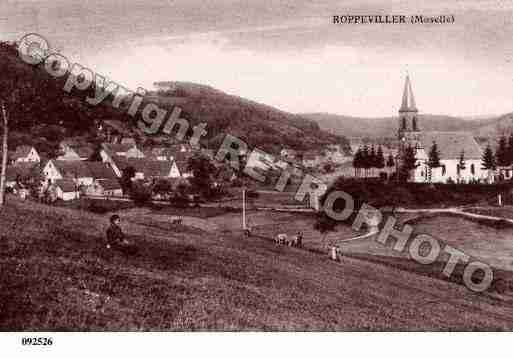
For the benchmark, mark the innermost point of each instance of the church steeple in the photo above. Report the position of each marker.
(408, 121)
(408, 103)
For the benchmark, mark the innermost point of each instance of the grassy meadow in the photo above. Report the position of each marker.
(56, 275)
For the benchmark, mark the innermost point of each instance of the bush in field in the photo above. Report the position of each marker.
(163, 188)
(379, 193)
(237, 182)
(180, 198)
(126, 179)
(202, 175)
(140, 193)
(105, 206)
(252, 194)
(98, 208)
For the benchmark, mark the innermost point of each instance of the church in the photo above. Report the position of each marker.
(450, 145)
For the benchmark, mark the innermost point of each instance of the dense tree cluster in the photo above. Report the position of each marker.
(408, 163)
(488, 161)
(368, 159)
(202, 180)
(504, 151)
(434, 156)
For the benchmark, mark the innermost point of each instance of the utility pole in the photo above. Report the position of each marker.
(4, 156)
(244, 208)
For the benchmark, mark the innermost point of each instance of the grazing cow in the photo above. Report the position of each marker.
(281, 238)
(295, 241)
(290, 241)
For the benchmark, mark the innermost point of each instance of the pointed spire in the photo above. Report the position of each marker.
(408, 103)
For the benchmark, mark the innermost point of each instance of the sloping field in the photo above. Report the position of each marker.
(491, 245)
(267, 224)
(56, 275)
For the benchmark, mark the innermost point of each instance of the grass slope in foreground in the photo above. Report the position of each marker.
(56, 275)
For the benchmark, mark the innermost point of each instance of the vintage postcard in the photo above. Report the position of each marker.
(255, 166)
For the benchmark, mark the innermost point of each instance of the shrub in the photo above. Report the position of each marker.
(140, 193)
(252, 194)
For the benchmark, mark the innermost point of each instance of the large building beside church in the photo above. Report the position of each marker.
(450, 146)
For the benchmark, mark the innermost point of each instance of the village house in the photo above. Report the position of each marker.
(115, 155)
(25, 154)
(128, 141)
(134, 152)
(65, 189)
(118, 149)
(355, 143)
(19, 173)
(105, 187)
(260, 159)
(83, 173)
(451, 145)
(101, 171)
(151, 169)
(110, 188)
(288, 154)
(312, 159)
(292, 166)
(159, 154)
(77, 171)
(75, 153)
(336, 154)
(113, 131)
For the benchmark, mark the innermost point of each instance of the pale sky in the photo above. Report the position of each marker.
(288, 54)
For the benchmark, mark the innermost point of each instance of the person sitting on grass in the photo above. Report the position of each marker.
(115, 236)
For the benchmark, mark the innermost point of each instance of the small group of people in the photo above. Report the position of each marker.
(292, 241)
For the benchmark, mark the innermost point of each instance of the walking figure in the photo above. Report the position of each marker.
(299, 239)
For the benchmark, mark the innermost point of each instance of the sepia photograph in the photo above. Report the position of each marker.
(255, 166)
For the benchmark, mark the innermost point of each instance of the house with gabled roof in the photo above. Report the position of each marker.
(75, 153)
(101, 170)
(25, 154)
(105, 187)
(159, 153)
(83, 173)
(65, 189)
(150, 169)
(312, 158)
(128, 141)
(77, 171)
(119, 149)
(114, 130)
(181, 168)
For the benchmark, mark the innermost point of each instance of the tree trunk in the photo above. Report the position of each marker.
(4, 157)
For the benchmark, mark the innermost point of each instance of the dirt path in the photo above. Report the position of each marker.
(457, 211)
